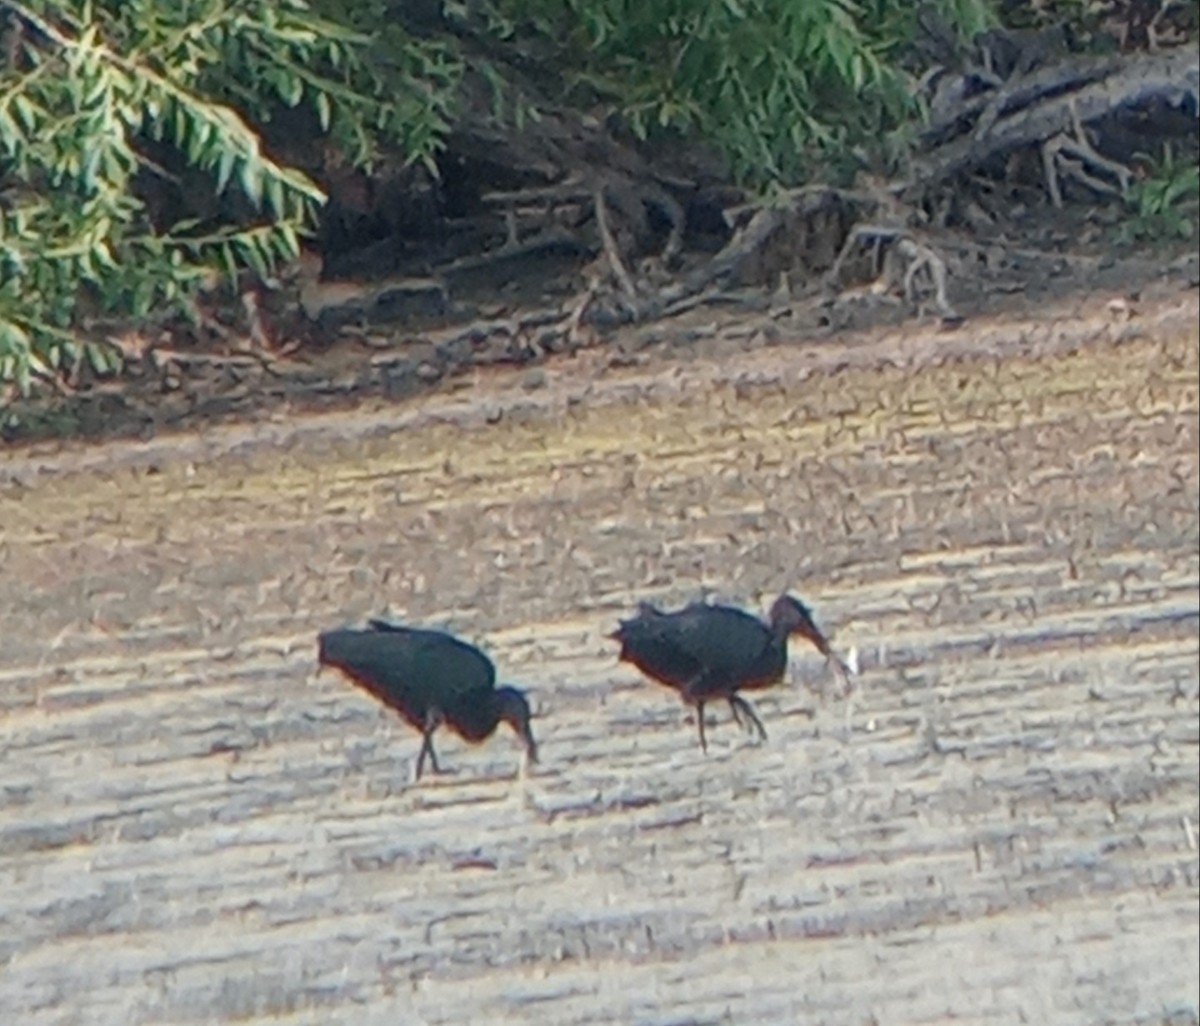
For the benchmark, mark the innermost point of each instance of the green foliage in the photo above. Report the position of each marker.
(91, 88)
(108, 107)
(780, 85)
(1165, 202)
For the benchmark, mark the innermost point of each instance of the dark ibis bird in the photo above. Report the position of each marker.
(429, 678)
(708, 652)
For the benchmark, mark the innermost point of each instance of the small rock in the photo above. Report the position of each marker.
(1120, 309)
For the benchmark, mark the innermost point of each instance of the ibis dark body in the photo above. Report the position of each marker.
(708, 652)
(429, 678)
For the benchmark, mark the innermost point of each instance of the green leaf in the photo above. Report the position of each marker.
(250, 175)
(225, 166)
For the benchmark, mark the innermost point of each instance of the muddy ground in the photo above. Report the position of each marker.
(1039, 264)
(1001, 525)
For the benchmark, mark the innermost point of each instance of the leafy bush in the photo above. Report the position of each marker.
(90, 89)
(108, 105)
(781, 86)
(1164, 202)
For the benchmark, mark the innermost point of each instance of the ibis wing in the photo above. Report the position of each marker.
(379, 666)
(698, 649)
(656, 647)
(409, 669)
(438, 657)
(394, 628)
(722, 640)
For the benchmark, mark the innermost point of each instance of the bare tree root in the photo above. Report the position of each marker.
(902, 260)
(1071, 155)
(611, 253)
(1056, 101)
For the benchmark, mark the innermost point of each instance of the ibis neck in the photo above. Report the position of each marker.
(779, 634)
(779, 643)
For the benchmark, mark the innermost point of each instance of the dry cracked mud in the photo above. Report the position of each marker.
(1000, 827)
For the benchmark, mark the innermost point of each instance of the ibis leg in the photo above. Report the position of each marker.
(740, 707)
(432, 721)
(700, 721)
(737, 716)
(737, 702)
(427, 749)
